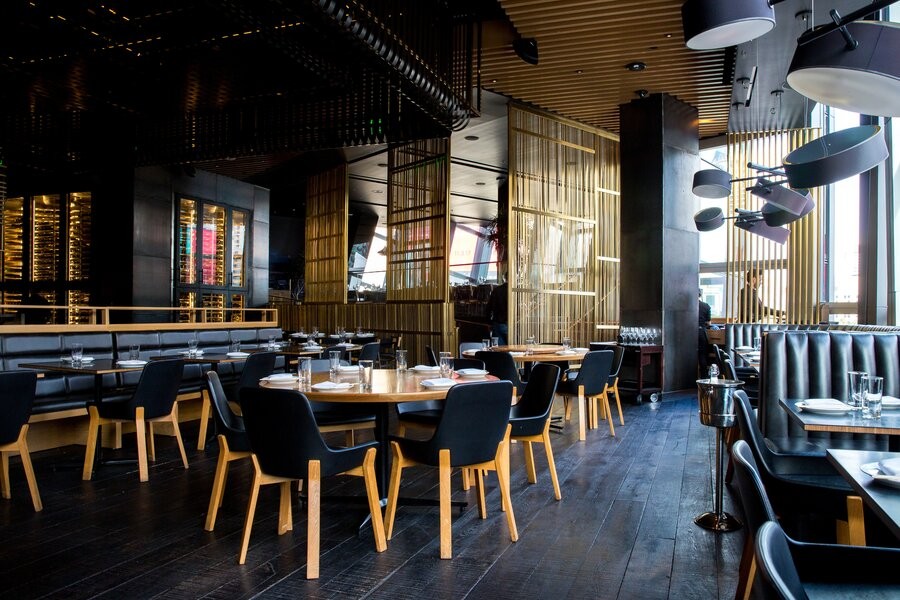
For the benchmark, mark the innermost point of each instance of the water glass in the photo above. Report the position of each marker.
(134, 352)
(192, 347)
(304, 372)
(713, 371)
(234, 347)
(334, 363)
(857, 386)
(567, 343)
(77, 353)
(757, 344)
(446, 363)
(872, 405)
(365, 374)
(401, 360)
(529, 345)
(495, 341)
(272, 342)
(486, 344)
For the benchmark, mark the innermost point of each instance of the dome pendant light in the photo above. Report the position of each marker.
(711, 24)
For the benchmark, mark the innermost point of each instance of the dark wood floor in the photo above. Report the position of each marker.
(624, 528)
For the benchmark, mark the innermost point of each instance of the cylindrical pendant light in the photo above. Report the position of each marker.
(709, 219)
(864, 80)
(712, 183)
(836, 156)
(710, 24)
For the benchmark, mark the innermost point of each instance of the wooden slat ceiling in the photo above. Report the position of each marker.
(583, 47)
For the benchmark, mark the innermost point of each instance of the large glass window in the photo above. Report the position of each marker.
(473, 258)
(713, 244)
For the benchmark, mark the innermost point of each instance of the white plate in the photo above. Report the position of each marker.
(566, 352)
(313, 348)
(581, 350)
(237, 354)
(441, 383)
(131, 363)
(824, 406)
(292, 382)
(365, 335)
(425, 369)
(330, 386)
(188, 352)
(346, 344)
(84, 359)
(744, 348)
(348, 368)
(470, 352)
(889, 403)
(472, 373)
(277, 376)
(517, 354)
(871, 469)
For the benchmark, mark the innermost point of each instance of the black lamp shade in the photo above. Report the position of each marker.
(778, 235)
(776, 217)
(780, 197)
(709, 219)
(712, 183)
(865, 80)
(710, 24)
(836, 156)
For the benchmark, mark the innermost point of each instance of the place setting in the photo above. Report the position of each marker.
(824, 406)
(885, 472)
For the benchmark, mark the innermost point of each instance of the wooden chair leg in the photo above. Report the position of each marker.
(91, 446)
(529, 462)
(444, 485)
(393, 490)
(582, 426)
(856, 525)
(177, 430)
(746, 571)
(503, 479)
(151, 443)
(368, 469)
(615, 392)
(5, 491)
(605, 400)
(313, 484)
(205, 409)
(466, 483)
(251, 510)
(141, 428)
(551, 464)
(29, 470)
(218, 488)
(479, 490)
(567, 408)
(285, 515)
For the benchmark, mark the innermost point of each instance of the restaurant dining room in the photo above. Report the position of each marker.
(460, 299)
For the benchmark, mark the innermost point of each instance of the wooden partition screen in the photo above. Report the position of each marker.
(564, 229)
(326, 236)
(418, 225)
(788, 275)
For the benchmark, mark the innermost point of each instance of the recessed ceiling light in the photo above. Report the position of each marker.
(642, 93)
(382, 164)
(479, 183)
(668, 35)
(493, 81)
(377, 191)
(636, 66)
(579, 72)
(472, 138)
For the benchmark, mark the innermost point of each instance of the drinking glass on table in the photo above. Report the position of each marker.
(401, 360)
(486, 344)
(529, 345)
(757, 344)
(857, 387)
(566, 343)
(872, 404)
(192, 347)
(334, 364)
(365, 374)
(495, 341)
(235, 347)
(446, 363)
(304, 372)
(77, 350)
(134, 352)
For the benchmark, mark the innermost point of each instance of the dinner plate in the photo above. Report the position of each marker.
(84, 359)
(131, 363)
(824, 406)
(348, 368)
(581, 350)
(890, 403)
(279, 376)
(331, 386)
(237, 354)
(440, 383)
(313, 348)
(289, 382)
(872, 470)
(425, 369)
(566, 352)
(472, 373)
(188, 353)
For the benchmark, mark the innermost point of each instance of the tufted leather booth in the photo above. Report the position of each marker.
(814, 364)
(743, 334)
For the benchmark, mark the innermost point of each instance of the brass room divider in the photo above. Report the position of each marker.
(326, 236)
(788, 275)
(564, 229)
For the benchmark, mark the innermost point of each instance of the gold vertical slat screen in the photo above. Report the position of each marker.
(563, 265)
(326, 236)
(418, 221)
(788, 275)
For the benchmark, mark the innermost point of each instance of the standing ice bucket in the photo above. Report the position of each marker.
(717, 401)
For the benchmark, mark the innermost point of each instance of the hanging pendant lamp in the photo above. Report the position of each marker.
(862, 77)
(710, 24)
(712, 183)
(836, 156)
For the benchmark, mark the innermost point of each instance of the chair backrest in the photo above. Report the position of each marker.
(463, 346)
(776, 565)
(757, 508)
(283, 432)
(536, 401)
(370, 351)
(594, 371)
(227, 423)
(729, 371)
(618, 355)
(343, 350)
(501, 365)
(158, 386)
(16, 399)
(431, 357)
(751, 432)
(473, 423)
(257, 366)
(467, 363)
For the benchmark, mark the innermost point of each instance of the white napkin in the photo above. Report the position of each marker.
(824, 403)
(131, 363)
(348, 368)
(889, 401)
(330, 385)
(280, 377)
(84, 359)
(581, 350)
(517, 353)
(365, 335)
(426, 368)
(890, 466)
(345, 344)
(472, 372)
(440, 382)
(188, 352)
(237, 354)
(312, 347)
(565, 352)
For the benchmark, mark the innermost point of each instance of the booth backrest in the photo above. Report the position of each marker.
(814, 364)
(743, 334)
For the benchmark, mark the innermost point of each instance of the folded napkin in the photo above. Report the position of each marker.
(312, 347)
(889, 402)
(472, 372)
(198, 352)
(565, 352)
(440, 382)
(345, 344)
(280, 377)
(581, 350)
(84, 359)
(348, 368)
(131, 363)
(890, 466)
(517, 353)
(237, 354)
(330, 385)
(426, 368)
(824, 403)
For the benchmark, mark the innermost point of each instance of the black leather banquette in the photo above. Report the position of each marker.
(814, 364)
(56, 392)
(743, 334)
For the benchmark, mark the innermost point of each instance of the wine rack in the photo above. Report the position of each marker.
(213, 248)
(13, 246)
(238, 245)
(186, 300)
(217, 303)
(187, 241)
(46, 242)
(237, 301)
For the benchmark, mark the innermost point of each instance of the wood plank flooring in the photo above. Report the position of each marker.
(624, 528)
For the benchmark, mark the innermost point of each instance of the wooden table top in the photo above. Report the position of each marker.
(520, 356)
(852, 422)
(882, 499)
(388, 386)
(100, 366)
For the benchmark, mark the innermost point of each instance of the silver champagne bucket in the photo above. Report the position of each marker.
(717, 401)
